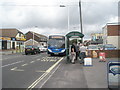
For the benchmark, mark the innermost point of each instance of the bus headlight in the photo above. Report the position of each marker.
(63, 50)
(49, 50)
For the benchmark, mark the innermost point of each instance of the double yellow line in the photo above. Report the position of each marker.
(43, 75)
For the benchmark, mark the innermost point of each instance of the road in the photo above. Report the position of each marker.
(43, 71)
(26, 71)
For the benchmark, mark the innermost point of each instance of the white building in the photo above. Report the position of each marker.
(111, 34)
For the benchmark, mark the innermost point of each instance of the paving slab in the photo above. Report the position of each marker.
(79, 76)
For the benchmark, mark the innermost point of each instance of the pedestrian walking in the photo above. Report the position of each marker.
(73, 53)
(83, 50)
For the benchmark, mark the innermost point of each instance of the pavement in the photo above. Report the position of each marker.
(42, 71)
(9, 52)
(79, 76)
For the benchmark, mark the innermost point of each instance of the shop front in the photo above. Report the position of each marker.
(5, 43)
(20, 44)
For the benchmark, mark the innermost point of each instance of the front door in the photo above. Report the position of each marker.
(4, 45)
(13, 45)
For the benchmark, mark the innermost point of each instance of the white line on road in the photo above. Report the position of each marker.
(11, 64)
(49, 76)
(32, 61)
(24, 64)
(43, 75)
(40, 71)
(15, 69)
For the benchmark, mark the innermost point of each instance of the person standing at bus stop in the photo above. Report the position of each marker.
(83, 50)
(73, 53)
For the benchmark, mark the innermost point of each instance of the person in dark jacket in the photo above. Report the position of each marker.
(77, 51)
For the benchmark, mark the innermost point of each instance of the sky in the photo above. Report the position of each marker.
(48, 18)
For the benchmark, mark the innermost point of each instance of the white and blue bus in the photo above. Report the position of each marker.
(56, 45)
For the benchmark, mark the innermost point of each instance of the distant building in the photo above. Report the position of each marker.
(111, 33)
(38, 39)
(11, 39)
(96, 38)
(31, 41)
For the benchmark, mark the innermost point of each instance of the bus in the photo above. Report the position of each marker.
(56, 45)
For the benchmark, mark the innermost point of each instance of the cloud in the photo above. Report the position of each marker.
(52, 19)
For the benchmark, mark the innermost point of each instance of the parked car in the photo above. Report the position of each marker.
(109, 47)
(43, 48)
(31, 49)
(92, 47)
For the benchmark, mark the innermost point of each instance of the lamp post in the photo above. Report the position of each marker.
(34, 35)
(80, 18)
(68, 14)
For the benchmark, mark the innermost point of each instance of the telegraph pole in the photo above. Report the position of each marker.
(80, 18)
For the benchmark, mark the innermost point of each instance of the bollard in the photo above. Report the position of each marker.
(94, 53)
(102, 56)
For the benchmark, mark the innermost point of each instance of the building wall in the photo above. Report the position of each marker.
(113, 30)
(30, 42)
(9, 44)
(111, 35)
(114, 40)
(29, 36)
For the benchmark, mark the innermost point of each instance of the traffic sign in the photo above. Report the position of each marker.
(113, 74)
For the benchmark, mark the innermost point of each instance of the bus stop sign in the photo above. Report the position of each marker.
(114, 75)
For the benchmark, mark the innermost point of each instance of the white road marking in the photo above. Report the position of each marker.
(32, 61)
(18, 70)
(15, 69)
(52, 60)
(50, 76)
(43, 75)
(24, 65)
(12, 63)
(40, 71)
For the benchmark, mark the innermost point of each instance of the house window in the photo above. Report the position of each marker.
(19, 34)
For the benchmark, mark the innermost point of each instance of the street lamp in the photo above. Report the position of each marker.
(80, 18)
(34, 35)
(68, 14)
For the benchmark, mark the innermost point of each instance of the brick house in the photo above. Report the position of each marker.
(35, 39)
